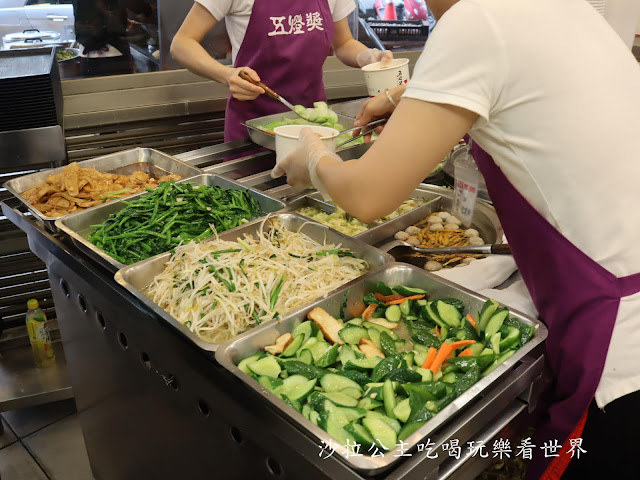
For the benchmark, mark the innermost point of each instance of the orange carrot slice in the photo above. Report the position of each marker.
(431, 354)
(472, 320)
(466, 353)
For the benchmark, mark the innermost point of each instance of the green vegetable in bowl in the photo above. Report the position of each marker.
(65, 54)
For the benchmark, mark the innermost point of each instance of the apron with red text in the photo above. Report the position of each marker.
(286, 43)
(576, 297)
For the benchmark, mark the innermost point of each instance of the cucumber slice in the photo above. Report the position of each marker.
(448, 313)
(333, 423)
(381, 329)
(495, 342)
(400, 345)
(346, 354)
(405, 307)
(409, 429)
(444, 332)
(488, 309)
(498, 362)
(368, 403)
(329, 357)
(352, 414)
(392, 422)
(271, 384)
(427, 375)
(450, 377)
(352, 392)
(352, 334)
(374, 336)
(409, 358)
(408, 291)
(309, 342)
(267, 366)
(293, 347)
(430, 308)
(495, 323)
(476, 348)
(292, 403)
(383, 289)
(318, 349)
(355, 321)
(334, 383)
(386, 345)
(306, 411)
(243, 363)
(362, 364)
(389, 398)
(485, 360)
(511, 339)
(385, 437)
(420, 356)
(393, 313)
(306, 356)
(402, 410)
(299, 390)
(361, 434)
(305, 328)
(341, 399)
(313, 416)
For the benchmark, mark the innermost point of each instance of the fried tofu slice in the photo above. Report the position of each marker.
(368, 312)
(282, 342)
(369, 348)
(383, 323)
(327, 324)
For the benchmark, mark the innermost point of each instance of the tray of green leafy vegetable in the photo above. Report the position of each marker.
(385, 363)
(261, 129)
(123, 232)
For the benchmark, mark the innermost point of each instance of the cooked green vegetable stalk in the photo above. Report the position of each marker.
(361, 383)
(171, 214)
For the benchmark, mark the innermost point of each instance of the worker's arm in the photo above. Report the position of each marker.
(417, 137)
(187, 50)
(350, 51)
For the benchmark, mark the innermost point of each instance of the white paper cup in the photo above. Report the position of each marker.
(287, 138)
(380, 79)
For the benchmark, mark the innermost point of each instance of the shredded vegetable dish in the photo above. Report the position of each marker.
(219, 289)
(352, 226)
(174, 213)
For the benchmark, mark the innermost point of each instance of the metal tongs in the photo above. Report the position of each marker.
(271, 93)
(487, 249)
(375, 124)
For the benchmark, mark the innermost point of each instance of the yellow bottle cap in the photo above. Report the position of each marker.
(32, 304)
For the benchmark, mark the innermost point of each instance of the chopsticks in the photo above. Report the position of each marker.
(375, 124)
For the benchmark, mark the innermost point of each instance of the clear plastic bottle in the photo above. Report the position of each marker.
(467, 178)
(41, 346)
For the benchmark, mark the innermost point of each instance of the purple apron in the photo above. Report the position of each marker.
(577, 299)
(286, 42)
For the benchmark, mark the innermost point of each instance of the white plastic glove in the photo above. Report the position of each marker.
(300, 165)
(372, 55)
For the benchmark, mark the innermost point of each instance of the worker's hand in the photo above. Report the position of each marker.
(372, 55)
(241, 89)
(377, 107)
(300, 165)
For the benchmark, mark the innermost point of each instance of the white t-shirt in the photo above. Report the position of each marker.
(238, 12)
(540, 74)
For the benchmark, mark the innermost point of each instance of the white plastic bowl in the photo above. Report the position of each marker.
(379, 79)
(287, 138)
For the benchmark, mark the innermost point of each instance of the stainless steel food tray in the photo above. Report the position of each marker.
(231, 352)
(126, 162)
(137, 277)
(485, 219)
(377, 231)
(78, 225)
(267, 140)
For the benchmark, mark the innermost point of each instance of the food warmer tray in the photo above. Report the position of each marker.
(127, 162)
(253, 341)
(138, 276)
(267, 140)
(78, 225)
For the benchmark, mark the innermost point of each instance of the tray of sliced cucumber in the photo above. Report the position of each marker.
(383, 363)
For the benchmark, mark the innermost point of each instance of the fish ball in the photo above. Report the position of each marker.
(401, 236)
(415, 241)
(476, 241)
(468, 260)
(412, 230)
(453, 219)
(443, 215)
(451, 226)
(436, 226)
(461, 265)
(432, 266)
(434, 219)
(472, 232)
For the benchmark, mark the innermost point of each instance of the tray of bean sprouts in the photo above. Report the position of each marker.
(212, 291)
